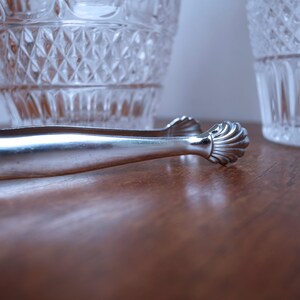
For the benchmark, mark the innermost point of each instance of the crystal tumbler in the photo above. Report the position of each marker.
(84, 62)
(275, 37)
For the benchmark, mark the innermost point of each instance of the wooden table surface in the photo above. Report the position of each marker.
(174, 228)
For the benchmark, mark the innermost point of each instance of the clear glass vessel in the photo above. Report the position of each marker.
(275, 37)
(84, 62)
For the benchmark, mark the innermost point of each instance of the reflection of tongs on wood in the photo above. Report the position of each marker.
(57, 150)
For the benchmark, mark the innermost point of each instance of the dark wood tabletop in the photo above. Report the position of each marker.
(172, 228)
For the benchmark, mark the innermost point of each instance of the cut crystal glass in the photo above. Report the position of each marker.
(275, 37)
(87, 62)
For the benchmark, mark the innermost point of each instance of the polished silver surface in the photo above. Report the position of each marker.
(56, 150)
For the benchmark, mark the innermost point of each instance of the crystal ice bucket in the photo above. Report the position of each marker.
(84, 62)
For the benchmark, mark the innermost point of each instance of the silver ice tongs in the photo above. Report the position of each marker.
(57, 150)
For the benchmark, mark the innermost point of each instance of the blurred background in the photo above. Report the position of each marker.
(211, 74)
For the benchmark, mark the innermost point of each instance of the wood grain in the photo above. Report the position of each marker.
(174, 228)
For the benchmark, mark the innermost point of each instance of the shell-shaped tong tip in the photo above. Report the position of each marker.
(229, 141)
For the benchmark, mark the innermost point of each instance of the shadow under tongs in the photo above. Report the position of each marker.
(186, 170)
(104, 181)
(27, 187)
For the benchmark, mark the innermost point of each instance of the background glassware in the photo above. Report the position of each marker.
(275, 37)
(84, 62)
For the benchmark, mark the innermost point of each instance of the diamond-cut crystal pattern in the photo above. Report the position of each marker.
(63, 55)
(78, 51)
(274, 27)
